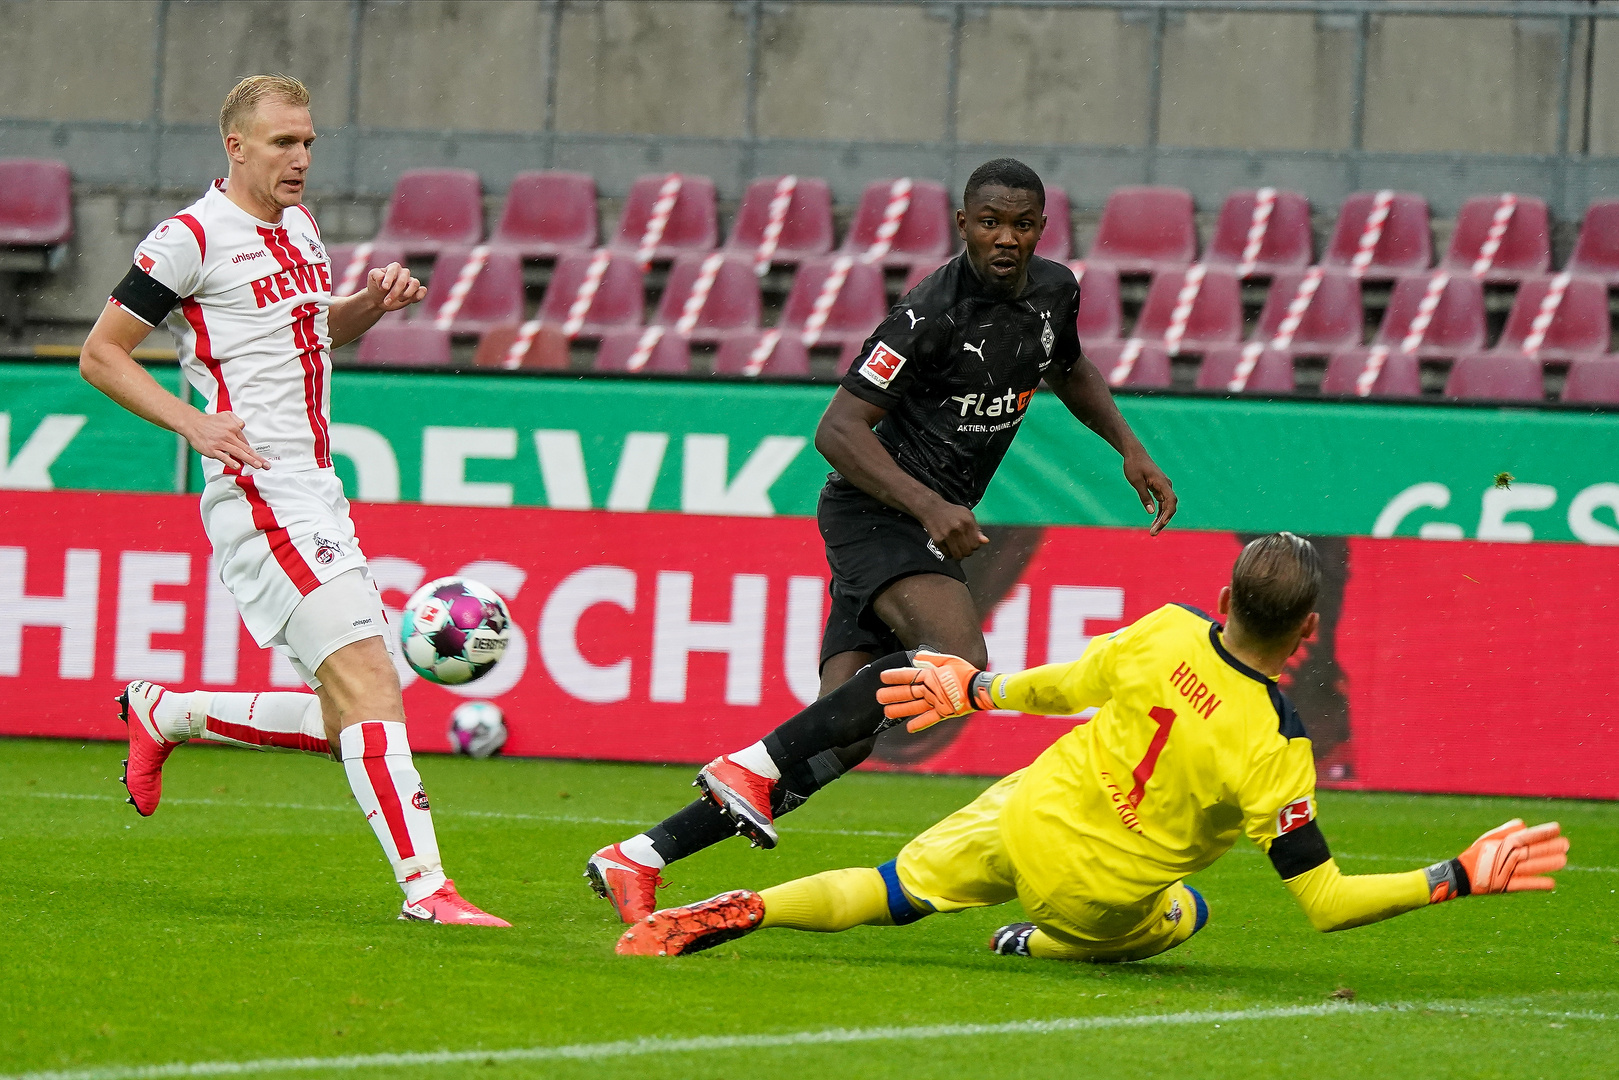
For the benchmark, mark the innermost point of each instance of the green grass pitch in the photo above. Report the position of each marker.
(252, 920)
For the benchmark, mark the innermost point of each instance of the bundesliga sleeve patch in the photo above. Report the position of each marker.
(1295, 815)
(882, 365)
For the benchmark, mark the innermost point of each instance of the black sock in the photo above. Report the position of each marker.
(848, 715)
(801, 781)
(690, 830)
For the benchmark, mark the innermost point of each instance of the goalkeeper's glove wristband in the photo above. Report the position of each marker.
(1447, 880)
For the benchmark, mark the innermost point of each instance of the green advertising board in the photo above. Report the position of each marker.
(1319, 467)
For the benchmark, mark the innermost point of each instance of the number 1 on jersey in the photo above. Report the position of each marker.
(1165, 719)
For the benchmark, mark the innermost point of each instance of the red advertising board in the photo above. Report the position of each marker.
(1461, 667)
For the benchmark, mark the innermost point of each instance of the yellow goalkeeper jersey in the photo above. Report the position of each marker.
(1189, 747)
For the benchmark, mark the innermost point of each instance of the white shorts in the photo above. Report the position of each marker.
(344, 610)
(277, 537)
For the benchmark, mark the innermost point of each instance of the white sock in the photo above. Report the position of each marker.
(757, 759)
(639, 847)
(376, 756)
(273, 721)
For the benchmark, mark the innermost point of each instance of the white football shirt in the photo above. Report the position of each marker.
(251, 324)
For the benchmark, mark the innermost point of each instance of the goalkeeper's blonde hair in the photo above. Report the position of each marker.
(246, 96)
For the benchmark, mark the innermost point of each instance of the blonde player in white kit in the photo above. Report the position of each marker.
(243, 281)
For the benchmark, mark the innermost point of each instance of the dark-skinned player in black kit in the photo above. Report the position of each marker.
(915, 431)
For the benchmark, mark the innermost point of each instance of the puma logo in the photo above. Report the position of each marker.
(979, 348)
(914, 317)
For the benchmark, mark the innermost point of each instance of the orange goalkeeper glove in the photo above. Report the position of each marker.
(937, 687)
(1508, 858)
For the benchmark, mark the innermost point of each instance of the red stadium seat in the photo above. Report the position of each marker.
(1101, 317)
(1456, 326)
(619, 299)
(546, 350)
(1144, 230)
(746, 354)
(548, 213)
(496, 294)
(36, 203)
(806, 230)
(1399, 376)
(1596, 251)
(654, 350)
(1334, 318)
(407, 344)
(1404, 243)
(926, 230)
(432, 209)
(1579, 319)
(857, 308)
(1493, 377)
(1284, 238)
(692, 222)
(1593, 379)
(349, 276)
(1132, 364)
(920, 272)
(1057, 242)
(1215, 317)
(1522, 250)
(731, 301)
(1271, 372)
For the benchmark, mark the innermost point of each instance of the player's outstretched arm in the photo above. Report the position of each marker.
(1086, 394)
(1511, 858)
(386, 289)
(107, 363)
(938, 687)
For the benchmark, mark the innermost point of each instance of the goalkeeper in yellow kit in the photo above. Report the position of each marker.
(1192, 744)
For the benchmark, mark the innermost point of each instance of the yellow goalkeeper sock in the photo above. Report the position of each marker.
(829, 902)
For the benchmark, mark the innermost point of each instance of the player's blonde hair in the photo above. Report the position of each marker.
(245, 97)
(1275, 584)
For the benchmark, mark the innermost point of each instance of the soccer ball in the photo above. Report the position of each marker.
(454, 630)
(477, 729)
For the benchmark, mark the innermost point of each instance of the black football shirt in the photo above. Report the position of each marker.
(956, 368)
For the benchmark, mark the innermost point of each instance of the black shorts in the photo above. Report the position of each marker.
(869, 546)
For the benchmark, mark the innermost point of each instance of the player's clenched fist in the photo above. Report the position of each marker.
(1508, 858)
(939, 686)
(393, 288)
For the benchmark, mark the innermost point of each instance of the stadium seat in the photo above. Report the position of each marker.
(1593, 379)
(1333, 320)
(666, 352)
(404, 344)
(1272, 372)
(786, 359)
(1400, 375)
(1057, 242)
(858, 307)
(1493, 377)
(1216, 313)
(496, 294)
(619, 299)
(1404, 244)
(1596, 251)
(1579, 319)
(1101, 317)
(1285, 243)
(1523, 250)
(1149, 369)
(547, 348)
(691, 223)
(806, 230)
(919, 272)
(731, 301)
(1144, 230)
(546, 214)
(1457, 324)
(925, 231)
(432, 209)
(36, 203)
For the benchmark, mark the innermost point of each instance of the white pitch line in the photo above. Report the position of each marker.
(572, 819)
(834, 1036)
